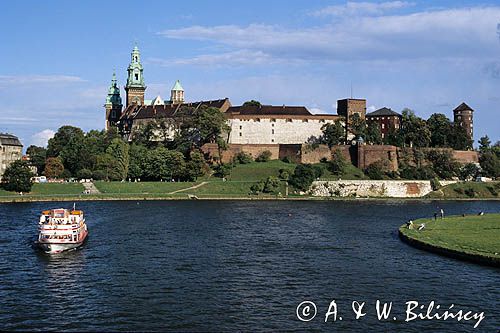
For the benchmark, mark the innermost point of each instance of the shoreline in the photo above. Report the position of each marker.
(449, 252)
(148, 197)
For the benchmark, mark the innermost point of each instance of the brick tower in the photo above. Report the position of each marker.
(462, 115)
(135, 81)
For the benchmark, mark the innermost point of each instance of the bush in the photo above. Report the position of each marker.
(435, 184)
(378, 169)
(99, 175)
(223, 170)
(243, 158)
(338, 163)
(469, 171)
(84, 174)
(423, 173)
(257, 187)
(66, 174)
(17, 177)
(302, 177)
(319, 170)
(286, 159)
(271, 185)
(284, 174)
(265, 156)
(470, 192)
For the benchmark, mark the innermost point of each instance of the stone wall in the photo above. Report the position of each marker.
(368, 154)
(371, 188)
(462, 156)
(466, 156)
(255, 150)
(9, 154)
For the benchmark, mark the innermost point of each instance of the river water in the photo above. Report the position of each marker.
(236, 265)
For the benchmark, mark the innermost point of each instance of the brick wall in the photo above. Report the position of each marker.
(255, 150)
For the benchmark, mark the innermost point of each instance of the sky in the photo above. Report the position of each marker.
(57, 57)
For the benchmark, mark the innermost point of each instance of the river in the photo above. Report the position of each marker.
(237, 265)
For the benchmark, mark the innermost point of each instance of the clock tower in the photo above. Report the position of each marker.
(135, 81)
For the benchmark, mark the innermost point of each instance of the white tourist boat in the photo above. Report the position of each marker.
(61, 229)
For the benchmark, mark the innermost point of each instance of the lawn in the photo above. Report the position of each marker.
(465, 190)
(48, 189)
(140, 187)
(472, 234)
(256, 171)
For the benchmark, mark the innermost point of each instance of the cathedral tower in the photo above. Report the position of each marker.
(113, 104)
(135, 81)
(177, 93)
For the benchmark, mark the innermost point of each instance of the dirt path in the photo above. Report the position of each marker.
(90, 187)
(189, 188)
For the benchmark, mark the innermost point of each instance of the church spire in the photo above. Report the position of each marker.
(113, 103)
(135, 81)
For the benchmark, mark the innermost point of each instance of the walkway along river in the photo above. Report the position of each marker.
(236, 265)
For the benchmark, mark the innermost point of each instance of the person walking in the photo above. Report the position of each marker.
(442, 213)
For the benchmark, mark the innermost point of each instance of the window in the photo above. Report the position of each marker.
(272, 140)
(459, 117)
(305, 120)
(322, 120)
(272, 131)
(136, 76)
(383, 126)
(272, 125)
(273, 120)
(241, 127)
(240, 134)
(257, 120)
(113, 114)
(383, 135)
(288, 120)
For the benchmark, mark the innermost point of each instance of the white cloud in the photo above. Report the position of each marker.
(361, 8)
(371, 108)
(38, 79)
(239, 57)
(41, 138)
(465, 33)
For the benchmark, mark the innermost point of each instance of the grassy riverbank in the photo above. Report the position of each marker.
(474, 237)
(468, 190)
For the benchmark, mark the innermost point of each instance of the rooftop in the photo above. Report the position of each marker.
(9, 140)
(383, 112)
(463, 107)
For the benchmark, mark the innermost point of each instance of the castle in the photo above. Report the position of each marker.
(250, 124)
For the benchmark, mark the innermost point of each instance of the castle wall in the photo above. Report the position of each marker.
(296, 130)
(9, 154)
(254, 150)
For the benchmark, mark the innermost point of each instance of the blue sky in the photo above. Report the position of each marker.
(58, 56)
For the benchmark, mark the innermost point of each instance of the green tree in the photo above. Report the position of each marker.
(53, 167)
(119, 151)
(164, 164)
(109, 167)
(196, 166)
(440, 128)
(378, 169)
(252, 103)
(490, 164)
(37, 156)
(484, 144)
(443, 164)
(84, 174)
(459, 139)
(271, 185)
(63, 136)
(414, 130)
(469, 171)
(257, 187)
(357, 126)
(373, 134)
(138, 155)
(302, 177)
(333, 134)
(17, 177)
(338, 163)
(243, 158)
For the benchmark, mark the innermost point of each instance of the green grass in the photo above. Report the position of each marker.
(464, 190)
(256, 171)
(141, 187)
(350, 173)
(48, 189)
(470, 234)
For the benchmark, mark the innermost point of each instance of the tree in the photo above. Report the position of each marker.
(271, 185)
(469, 171)
(484, 144)
(264, 156)
(252, 103)
(17, 177)
(257, 187)
(37, 156)
(84, 174)
(373, 134)
(63, 136)
(302, 177)
(109, 167)
(459, 139)
(243, 158)
(209, 124)
(164, 164)
(378, 169)
(138, 155)
(333, 134)
(357, 126)
(119, 151)
(53, 167)
(443, 164)
(490, 164)
(338, 163)
(414, 130)
(440, 128)
(196, 166)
